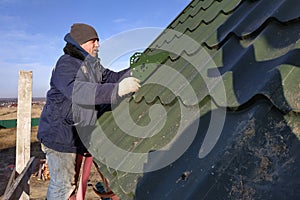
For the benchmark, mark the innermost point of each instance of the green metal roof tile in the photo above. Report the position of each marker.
(172, 79)
(249, 17)
(192, 10)
(201, 17)
(203, 3)
(165, 124)
(201, 32)
(186, 83)
(205, 33)
(253, 59)
(261, 57)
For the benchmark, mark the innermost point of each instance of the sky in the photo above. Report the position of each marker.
(32, 32)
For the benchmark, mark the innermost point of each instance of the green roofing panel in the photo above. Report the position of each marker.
(229, 70)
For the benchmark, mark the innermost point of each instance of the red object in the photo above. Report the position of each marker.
(88, 160)
(84, 177)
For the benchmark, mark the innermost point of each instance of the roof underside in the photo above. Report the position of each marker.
(231, 74)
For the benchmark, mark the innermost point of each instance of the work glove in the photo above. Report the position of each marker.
(128, 85)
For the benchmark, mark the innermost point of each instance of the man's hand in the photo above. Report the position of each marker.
(128, 85)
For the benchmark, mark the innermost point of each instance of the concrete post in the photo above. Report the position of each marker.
(23, 123)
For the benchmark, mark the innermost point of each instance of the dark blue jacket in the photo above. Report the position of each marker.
(79, 87)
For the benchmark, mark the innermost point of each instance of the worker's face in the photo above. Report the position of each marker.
(91, 47)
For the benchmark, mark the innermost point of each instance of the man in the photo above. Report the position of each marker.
(79, 86)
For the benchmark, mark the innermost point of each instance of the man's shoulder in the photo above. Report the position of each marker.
(67, 57)
(69, 60)
(67, 64)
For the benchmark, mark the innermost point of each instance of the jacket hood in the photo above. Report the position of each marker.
(68, 38)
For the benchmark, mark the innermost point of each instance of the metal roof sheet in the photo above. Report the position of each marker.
(251, 160)
(230, 73)
(249, 67)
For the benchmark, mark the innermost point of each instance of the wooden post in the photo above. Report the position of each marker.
(24, 124)
(16, 189)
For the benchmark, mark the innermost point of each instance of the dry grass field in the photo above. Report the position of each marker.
(38, 188)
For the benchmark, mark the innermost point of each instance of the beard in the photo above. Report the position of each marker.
(95, 52)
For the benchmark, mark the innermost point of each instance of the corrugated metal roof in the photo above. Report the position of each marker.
(226, 94)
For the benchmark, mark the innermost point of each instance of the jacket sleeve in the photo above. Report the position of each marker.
(72, 83)
(86, 93)
(110, 76)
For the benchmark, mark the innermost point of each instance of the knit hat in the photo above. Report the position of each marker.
(82, 33)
